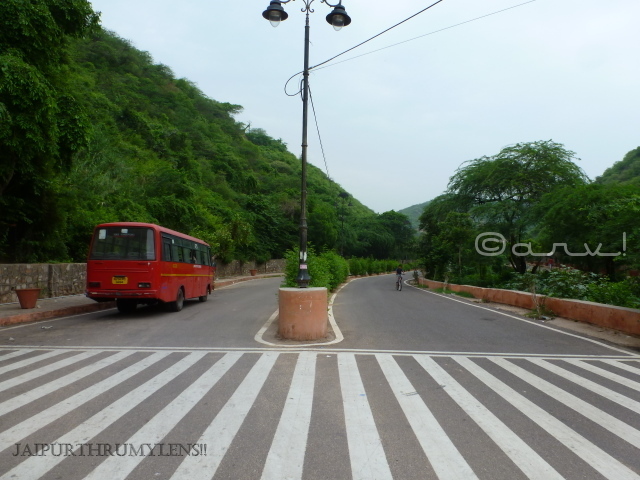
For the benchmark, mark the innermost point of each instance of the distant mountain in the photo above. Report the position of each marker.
(414, 213)
(626, 170)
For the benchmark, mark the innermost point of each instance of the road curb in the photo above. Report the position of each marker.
(63, 312)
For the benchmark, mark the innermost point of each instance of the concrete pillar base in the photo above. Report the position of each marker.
(303, 313)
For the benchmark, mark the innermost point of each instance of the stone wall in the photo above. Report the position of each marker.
(60, 279)
(238, 269)
(54, 280)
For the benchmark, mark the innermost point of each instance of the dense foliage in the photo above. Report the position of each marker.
(327, 269)
(91, 131)
(626, 170)
(540, 211)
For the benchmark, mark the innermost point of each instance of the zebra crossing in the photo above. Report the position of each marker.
(115, 413)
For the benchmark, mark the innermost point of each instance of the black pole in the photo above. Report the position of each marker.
(304, 278)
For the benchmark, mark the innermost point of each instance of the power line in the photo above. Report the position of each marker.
(313, 108)
(381, 33)
(414, 38)
(360, 44)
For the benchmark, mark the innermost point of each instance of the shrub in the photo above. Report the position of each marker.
(337, 267)
(326, 270)
(621, 293)
(575, 284)
(356, 266)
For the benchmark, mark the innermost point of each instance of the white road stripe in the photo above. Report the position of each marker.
(31, 360)
(589, 385)
(36, 466)
(623, 366)
(39, 392)
(605, 420)
(17, 353)
(443, 455)
(525, 458)
(614, 377)
(159, 426)
(368, 460)
(286, 456)
(221, 432)
(18, 432)
(52, 367)
(601, 461)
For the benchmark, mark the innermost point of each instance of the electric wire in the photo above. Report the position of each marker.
(381, 33)
(313, 108)
(420, 36)
(358, 45)
(316, 67)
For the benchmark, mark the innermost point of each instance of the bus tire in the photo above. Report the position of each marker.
(179, 302)
(126, 305)
(204, 297)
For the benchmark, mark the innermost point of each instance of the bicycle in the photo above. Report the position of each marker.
(399, 282)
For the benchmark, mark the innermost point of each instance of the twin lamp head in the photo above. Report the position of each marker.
(276, 14)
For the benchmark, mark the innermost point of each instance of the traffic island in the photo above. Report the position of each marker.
(303, 313)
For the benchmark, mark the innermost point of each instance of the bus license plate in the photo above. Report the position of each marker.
(119, 280)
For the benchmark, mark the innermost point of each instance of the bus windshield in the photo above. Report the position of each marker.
(123, 243)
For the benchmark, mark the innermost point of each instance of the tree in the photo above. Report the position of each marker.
(589, 218)
(502, 188)
(42, 123)
(399, 226)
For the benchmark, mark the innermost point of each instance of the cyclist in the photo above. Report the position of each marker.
(399, 273)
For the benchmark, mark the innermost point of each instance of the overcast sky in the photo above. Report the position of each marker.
(397, 123)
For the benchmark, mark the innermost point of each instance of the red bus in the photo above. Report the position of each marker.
(141, 263)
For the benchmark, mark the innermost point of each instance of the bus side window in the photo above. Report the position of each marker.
(186, 252)
(166, 251)
(176, 253)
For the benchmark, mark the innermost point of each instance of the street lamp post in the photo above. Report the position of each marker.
(338, 18)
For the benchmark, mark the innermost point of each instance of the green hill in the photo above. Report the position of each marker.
(414, 212)
(626, 170)
(91, 131)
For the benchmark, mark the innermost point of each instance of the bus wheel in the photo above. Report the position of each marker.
(126, 305)
(204, 297)
(178, 304)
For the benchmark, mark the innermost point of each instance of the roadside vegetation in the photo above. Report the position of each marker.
(528, 217)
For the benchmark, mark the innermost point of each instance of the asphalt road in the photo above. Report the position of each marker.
(421, 387)
(373, 315)
(229, 318)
